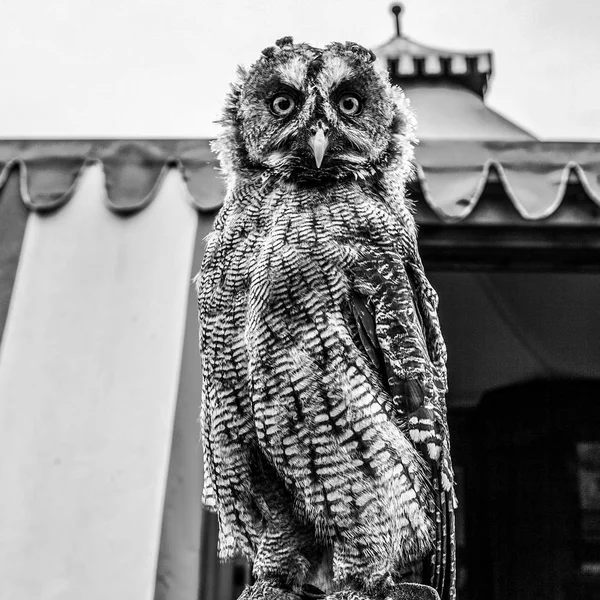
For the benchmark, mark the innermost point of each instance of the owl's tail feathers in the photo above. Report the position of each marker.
(441, 570)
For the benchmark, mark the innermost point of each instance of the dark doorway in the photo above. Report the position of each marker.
(533, 502)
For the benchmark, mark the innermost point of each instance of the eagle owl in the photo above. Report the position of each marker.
(326, 452)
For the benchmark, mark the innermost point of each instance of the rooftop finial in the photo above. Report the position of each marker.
(397, 10)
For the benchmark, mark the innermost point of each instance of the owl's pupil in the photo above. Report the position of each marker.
(349, 104)
(283, 103)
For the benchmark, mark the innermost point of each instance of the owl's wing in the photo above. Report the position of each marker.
(394, 310)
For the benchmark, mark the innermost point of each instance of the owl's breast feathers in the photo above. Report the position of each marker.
(324, 364)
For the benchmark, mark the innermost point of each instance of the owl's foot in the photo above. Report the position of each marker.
(265, 589)
(413, 591)
(400, 591)
(376, 586)
(352, 593)
(348, 595)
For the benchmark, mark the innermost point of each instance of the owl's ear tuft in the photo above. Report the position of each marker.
(269, 52)
(365, 53)
(288, 40)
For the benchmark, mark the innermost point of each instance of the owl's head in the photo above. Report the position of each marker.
(311, 115)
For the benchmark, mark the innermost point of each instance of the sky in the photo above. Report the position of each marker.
(161, 68)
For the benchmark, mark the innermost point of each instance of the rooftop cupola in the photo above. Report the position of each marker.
(446, 89)
(408, 61)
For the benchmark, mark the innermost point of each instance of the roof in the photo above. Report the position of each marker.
(449, 111)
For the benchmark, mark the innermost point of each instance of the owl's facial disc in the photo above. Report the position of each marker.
(313, 116)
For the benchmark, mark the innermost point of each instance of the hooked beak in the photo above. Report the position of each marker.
(318, 144)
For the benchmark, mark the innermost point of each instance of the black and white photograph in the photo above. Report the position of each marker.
(300, 300)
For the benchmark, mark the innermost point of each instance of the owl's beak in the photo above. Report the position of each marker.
(318, 144)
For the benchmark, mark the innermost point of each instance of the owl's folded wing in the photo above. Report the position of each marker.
(397, 328)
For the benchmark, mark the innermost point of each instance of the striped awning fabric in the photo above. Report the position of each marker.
(99, 368)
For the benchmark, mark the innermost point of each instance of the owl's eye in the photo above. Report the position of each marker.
(350, 104)
(282, 105)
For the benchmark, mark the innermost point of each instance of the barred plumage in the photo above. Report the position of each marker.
(323, 418)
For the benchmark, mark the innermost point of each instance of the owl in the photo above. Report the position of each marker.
(324, 433)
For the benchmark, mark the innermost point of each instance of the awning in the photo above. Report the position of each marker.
(453, 175)
(134, 169)
(91, 369)
(99, 369)
(534, 177)
(501, 204)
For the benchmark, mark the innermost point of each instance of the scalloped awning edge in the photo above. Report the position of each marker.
(118, 203)
(541, 205)
(453, 175)
(134, 171)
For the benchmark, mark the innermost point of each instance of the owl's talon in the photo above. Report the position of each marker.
(348, 595)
